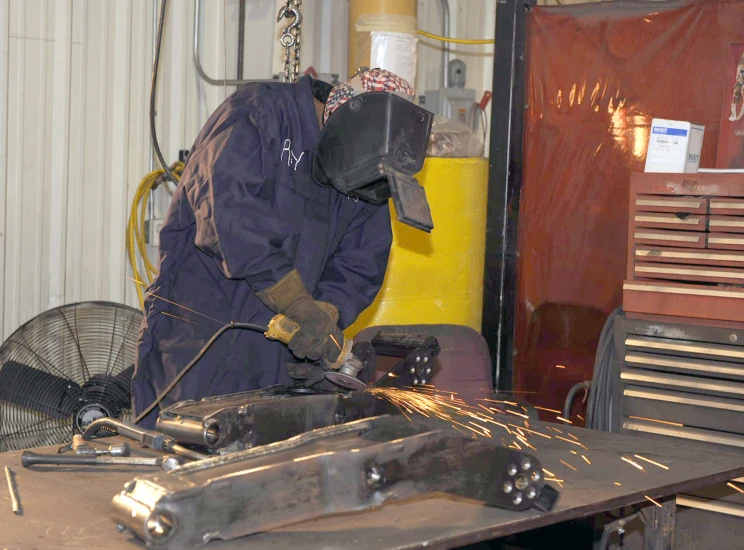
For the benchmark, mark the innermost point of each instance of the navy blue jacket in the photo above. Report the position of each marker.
(244, 214)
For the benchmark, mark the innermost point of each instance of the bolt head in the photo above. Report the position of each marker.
(512, 470)
(508, 487)
(517, 499)
(526, 464)
(375, 477)
(530, 493)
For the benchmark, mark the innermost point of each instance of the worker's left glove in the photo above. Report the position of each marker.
(319, 336)
(330, 310)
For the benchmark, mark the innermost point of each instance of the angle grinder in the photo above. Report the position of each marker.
(343, 372)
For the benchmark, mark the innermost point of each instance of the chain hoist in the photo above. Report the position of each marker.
(290, 39)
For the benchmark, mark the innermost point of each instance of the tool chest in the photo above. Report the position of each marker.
(686, 246)
(680, 379)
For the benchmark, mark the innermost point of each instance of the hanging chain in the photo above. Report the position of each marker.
(290, 39)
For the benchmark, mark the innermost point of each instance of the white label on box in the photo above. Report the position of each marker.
(395, 52)
(667, 145)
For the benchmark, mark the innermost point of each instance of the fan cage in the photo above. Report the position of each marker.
(63, 369)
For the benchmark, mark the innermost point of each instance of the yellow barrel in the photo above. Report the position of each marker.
(437, 278)
(359, 42)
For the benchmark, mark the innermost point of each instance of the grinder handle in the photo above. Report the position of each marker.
(282, 328)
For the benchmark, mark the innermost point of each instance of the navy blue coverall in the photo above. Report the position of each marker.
(245, 213)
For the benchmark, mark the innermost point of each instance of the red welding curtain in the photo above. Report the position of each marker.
(596, 76)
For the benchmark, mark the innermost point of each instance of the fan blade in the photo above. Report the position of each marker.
(40, 391)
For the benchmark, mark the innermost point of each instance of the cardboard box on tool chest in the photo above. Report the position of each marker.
(674, 146)
(686, 246)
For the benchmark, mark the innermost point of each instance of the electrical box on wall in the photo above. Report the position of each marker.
(454, 101)
(152, 231)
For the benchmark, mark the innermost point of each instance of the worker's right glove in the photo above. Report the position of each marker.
(319, 336)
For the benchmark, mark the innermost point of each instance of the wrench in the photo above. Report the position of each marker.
(29, 458)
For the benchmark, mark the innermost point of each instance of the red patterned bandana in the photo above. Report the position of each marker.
(371, 80)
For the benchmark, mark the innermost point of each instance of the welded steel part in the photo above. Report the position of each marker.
(352, 467)
(414, 370)
(244, 420)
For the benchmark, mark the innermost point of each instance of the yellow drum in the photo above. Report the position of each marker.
(437, 278)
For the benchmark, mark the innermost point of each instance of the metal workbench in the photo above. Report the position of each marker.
(65, 507)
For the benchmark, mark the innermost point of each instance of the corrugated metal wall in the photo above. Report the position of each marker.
(74, 131)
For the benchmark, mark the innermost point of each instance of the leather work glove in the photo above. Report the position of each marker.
(329, 310)
(319, 336)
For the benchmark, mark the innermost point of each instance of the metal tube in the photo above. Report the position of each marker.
(445, 45)
(154, 39)
(13, 492)
(241, 38)
(197, 62)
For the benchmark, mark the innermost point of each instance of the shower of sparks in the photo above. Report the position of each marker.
(652, 500)
(551, 474)
(174, 303)
(177, 317)
(658, 421)
(549, 410)
(567, 421)
(574, 453)
(632, 463)
(572, 435)
(618, 484)
(568, 465)
(586, 459)
(560, 367)
(512, 403)
(431, 403)
(651, 462)
(735, 487)
(571, 441)
(531, 431)
(580, 417)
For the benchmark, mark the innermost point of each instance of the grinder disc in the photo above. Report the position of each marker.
(345, 381)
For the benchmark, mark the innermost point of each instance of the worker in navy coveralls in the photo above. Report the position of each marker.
(249, 234)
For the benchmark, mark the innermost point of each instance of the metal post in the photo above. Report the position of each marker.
(241, 38)
(504, 185)
(658, 533)
(445, 45)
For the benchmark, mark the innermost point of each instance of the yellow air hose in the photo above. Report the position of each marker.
(136, 242)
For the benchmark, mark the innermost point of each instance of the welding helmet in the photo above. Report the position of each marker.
(371, 148)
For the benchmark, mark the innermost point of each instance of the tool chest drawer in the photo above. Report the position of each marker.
(685, 229)
(679, 379)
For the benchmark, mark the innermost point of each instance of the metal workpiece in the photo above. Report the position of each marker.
(350, 467)
(414, 370)
(243, 420)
